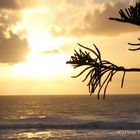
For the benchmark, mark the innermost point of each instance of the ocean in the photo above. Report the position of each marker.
(70, 117)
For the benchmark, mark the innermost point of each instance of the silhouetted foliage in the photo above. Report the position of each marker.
(130, 15)
(101, 72)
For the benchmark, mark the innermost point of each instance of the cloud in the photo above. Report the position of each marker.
(23, 4)
(72, 18)
(17, 4)
(91, 18)
(68, 17)
(96, 21)
(8, 4)
(13, 49)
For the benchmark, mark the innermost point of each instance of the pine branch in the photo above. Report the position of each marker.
(99, 72)
(130, 15)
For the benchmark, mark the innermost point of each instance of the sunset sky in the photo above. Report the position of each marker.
(37, 37)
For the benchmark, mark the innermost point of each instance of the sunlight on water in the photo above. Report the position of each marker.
(39, 135)
(69, 117)
(71, 134)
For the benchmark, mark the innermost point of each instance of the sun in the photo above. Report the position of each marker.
(46, 59)
(42, 66)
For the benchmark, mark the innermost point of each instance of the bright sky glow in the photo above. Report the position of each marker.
(52, 30)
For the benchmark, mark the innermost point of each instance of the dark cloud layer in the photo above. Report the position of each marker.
(8, 4)
(17, 4)
(13, 49)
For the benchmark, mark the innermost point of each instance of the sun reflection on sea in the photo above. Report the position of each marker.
(35, 135)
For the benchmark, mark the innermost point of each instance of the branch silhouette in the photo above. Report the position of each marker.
(135, 44)
(100, 72)
(130, 15)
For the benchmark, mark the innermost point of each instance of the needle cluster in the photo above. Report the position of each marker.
(130, 15)
(100, 72)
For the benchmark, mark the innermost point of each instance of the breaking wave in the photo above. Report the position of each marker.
(70, 124)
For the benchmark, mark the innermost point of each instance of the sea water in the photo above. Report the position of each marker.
(70, 117)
